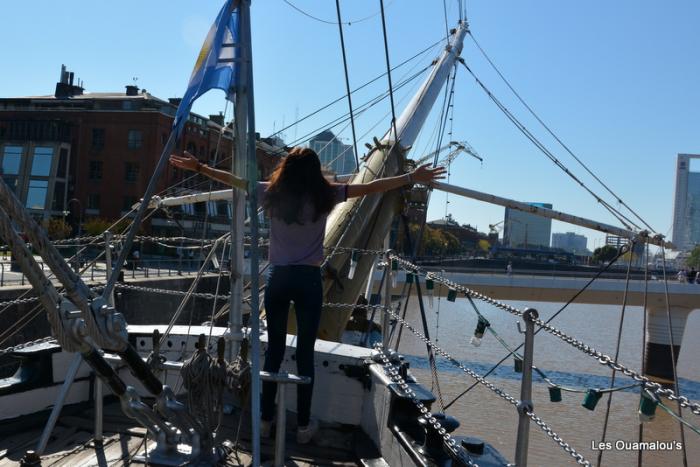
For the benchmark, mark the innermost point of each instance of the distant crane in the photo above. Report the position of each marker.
(459, 147)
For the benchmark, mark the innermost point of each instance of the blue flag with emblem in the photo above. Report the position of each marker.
(216, 66)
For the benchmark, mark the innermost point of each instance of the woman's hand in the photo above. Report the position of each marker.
(185, 162)
(425, 174)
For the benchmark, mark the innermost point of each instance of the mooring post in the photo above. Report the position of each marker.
(525, 404)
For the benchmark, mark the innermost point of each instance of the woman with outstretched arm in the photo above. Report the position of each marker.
(298, 199)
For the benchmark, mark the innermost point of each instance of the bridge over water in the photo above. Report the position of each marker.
(683, 299)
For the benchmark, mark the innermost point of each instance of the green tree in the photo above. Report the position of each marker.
(57, 228)
(604, 254)
(693, 260)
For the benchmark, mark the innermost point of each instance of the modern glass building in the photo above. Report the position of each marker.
(335, 156)
(522, 229)
(686, 207)
(570, 241)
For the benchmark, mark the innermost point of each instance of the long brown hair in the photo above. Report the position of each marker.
(296, 180)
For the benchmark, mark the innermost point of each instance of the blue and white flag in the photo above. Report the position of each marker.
(216, 66)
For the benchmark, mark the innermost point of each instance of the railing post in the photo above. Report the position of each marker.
(525, 404)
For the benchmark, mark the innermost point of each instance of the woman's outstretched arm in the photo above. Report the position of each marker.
(424, 175)
(189, 162)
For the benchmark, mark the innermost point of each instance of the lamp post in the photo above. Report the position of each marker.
(76, 264)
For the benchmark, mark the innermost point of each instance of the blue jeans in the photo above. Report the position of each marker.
(302, 285)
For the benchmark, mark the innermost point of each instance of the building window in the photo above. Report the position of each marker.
(187, 209)
(36, 194)
(95, 170)
(62, 171)
(11, 182)
(131, 171)
(128, 202)
(135, 139)
(59, 196)
(93, 201)
(11, 160)
(98, 138)
(41, 163)
(222, 208)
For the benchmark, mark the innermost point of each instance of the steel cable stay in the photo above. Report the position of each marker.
(628, 223)
(554, 135)
(602, 358)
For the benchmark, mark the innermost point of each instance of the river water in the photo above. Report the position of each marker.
(485, 415)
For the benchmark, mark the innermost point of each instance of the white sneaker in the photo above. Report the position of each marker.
(306, 433)
(265, 428)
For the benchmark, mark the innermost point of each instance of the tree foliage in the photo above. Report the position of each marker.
(438, 242)
(693, 260)
(57, 228)
(98, 225)
(604, 254)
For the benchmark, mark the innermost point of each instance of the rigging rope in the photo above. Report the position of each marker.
(628, 223)
(501, 393)
(373, 80)
(617, 353)
(551, 132)
(388, 73)
(673, 353)
(644, 341)
(602, 358)
(347, 85)
(339, 22)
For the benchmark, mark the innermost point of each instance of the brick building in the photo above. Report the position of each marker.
(85, 155)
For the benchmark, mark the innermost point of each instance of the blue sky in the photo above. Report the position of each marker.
(617, 81)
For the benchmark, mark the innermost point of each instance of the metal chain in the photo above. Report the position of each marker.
(602, 358)
(19, 301)
(608, 361)
(205, 295)
(23, 345)
(410, 267)
(341, 249)
(557, 439)
(501, 393)
(89, 239)
(396, 378)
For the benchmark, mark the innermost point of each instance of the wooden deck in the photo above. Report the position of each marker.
(72, 443)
